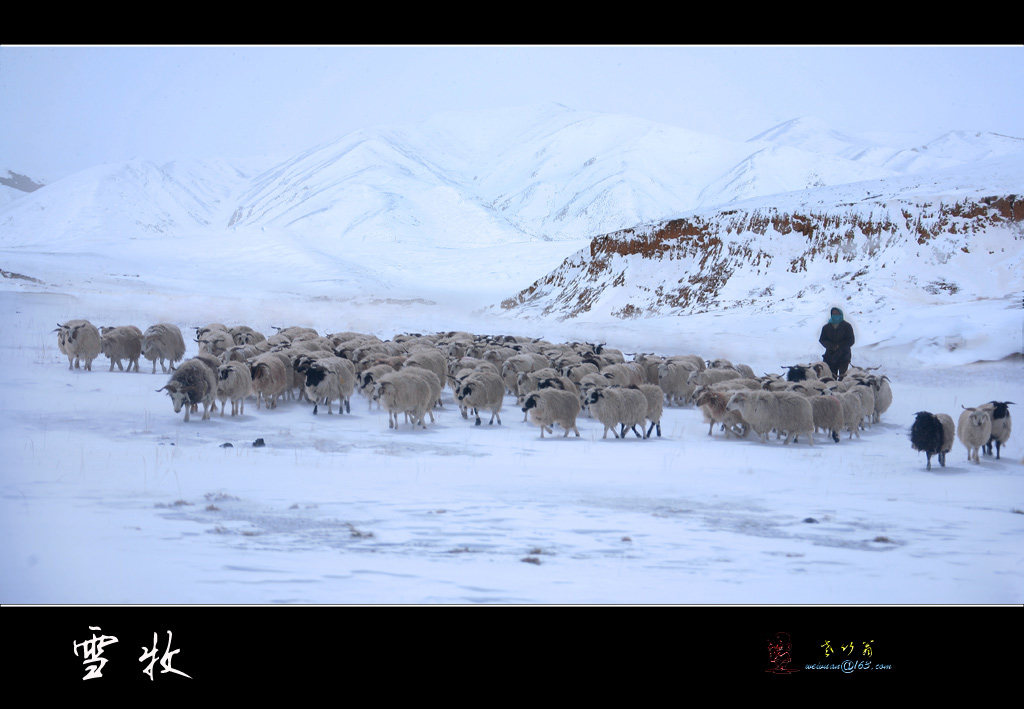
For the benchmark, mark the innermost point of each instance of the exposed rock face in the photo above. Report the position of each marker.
(690, 265)
(19, 182)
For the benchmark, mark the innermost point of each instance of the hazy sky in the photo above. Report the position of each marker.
(63, 109)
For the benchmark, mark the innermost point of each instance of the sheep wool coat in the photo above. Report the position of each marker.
(837, 341)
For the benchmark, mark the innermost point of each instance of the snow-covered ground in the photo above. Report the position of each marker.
(108, 497)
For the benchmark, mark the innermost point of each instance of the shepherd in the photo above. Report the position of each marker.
(837, 339)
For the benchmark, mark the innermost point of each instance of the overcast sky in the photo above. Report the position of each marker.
(63, 109)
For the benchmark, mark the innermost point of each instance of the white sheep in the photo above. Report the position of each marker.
(243, 353)
(546, 407)
(406, 391)
(80, 341)
(863, 389)
(781, 410)
(245, 335)
(853, 411)
(674, 376)
(432, 360)
(482, 390)
(327, 379)
(192, 384)
(650, 363)
(586, 385)
(214, 342)
(523, 362)
(626, 374)
(811, 388)
(292, 334)
(827, 411)
(732, 385)
(367, 378)
(271, 378)
(655, 407)
(234, 382)
(119, 343)
(883, 395)
(526, 382)
(1001, 425)
(743, 369)
(335, 378)
(163, 341)
(974, 429)
(617, 406)
(578, 370)
(708, 377)
(433, 383)
(530, 382)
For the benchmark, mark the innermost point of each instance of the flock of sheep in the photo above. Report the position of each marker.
(553, 382)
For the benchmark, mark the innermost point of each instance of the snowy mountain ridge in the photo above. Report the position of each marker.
(542, 172)
(545, 212)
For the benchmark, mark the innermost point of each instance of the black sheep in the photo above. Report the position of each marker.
(797, 373)
(933, 434)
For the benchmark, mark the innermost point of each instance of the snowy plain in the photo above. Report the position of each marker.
(108, 497)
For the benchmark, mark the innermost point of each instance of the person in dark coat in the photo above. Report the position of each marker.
(837, 339)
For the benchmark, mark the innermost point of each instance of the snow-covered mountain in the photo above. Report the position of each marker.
(655, 220)
(875, 243)
(471, 179)
(14, 184)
